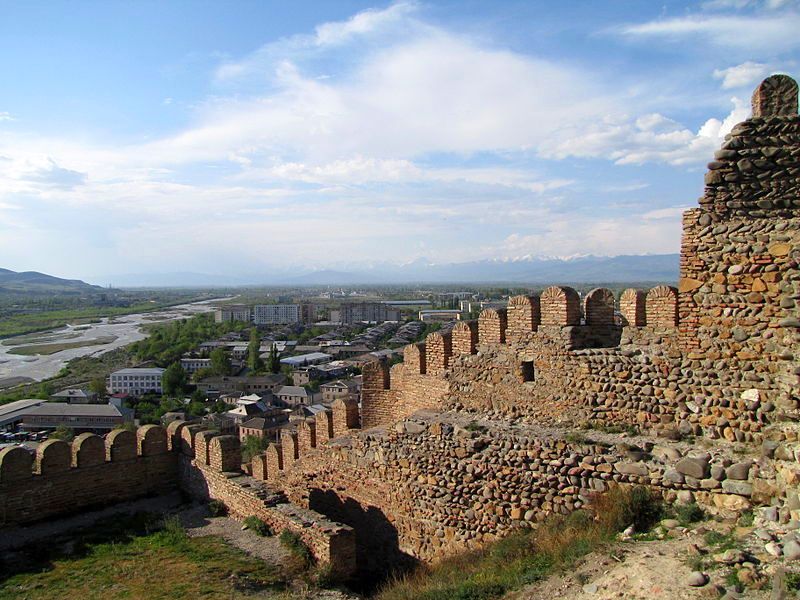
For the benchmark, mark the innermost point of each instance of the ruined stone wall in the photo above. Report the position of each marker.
(755, 171)
(441, 482)
(391, 394)
(209, 467)
(91, 472)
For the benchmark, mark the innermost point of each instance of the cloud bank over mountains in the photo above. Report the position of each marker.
(393, 134)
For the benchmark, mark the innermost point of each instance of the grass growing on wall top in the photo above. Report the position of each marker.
(528, 556)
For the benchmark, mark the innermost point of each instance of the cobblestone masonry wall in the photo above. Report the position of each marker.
(440, 482)
(220, 478)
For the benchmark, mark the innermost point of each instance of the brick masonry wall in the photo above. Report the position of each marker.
(89, 473)
(464, 337)
(330, 542)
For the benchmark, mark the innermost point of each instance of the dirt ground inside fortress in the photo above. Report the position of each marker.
(655, 570)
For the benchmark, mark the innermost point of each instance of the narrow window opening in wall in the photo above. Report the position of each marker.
(526, 369)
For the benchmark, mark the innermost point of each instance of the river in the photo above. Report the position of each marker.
(15, 368)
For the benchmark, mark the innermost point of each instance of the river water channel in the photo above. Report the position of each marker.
(16, 368)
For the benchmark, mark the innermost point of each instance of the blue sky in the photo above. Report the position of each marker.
(254, 137)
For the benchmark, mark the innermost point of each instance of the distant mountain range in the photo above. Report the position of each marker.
(585, 269)
(33, 282)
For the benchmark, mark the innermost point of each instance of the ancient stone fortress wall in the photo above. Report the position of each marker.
(210, 467)
(714, 357)
(437, 483)
(94, 472)
(90, 472)
(495, 404)
(475, 432)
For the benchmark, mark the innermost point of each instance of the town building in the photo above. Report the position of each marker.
(192, 364)
(232, 312)
(246, 410)
(266, 424)
(76, 396)
(11, 414)
(439, 316)
(308, 313)
(340, 389)
(256, 384)
(221, 422)
(276, 314)
(239, 351)
(357, 312)
(96, 418)
(324, 372)
(136, 381)
(305, 360)
(295, 395)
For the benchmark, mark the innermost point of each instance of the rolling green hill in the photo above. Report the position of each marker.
(33, 282)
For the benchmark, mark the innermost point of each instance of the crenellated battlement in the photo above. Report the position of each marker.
(210, 467)
(92, 471)
(667, 359)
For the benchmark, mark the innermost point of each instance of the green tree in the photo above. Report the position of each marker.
(220, 362)
(274, 360)
(220, 407)
(98, 386)
(45, 390)
(253, 352)
(62, 432)
(173, 381)
(253, 446)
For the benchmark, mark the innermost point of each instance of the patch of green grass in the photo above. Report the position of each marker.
(141, 558)
(527, 555)
(576, 438)
(793, 581)
(747, 518)
(686, 514)
(720, 541)
(475, 426)
(697, 562)
(217, 508)
(732, 579)
(297, 547)
(257, 526)
(597, 426)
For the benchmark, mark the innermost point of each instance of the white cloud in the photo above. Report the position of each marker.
(672, 213)
(756, 33)
(649, 138)
(363, 170)
(442, 93)
(746, 74)
(362, 23)
(423, 138)
(634, 234)
(6, 116)
(742, 4)
(382, 25)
